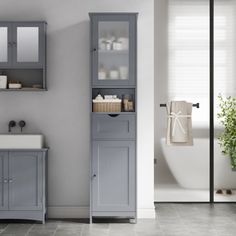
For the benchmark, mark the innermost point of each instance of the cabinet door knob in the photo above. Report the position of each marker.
(5, 181)
(94, 176)
(10, 180)
(95, 49)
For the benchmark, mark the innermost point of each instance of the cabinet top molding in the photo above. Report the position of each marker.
(112, 13)
(35, 22)
(25, 150)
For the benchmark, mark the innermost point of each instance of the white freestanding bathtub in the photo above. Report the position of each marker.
(190, 165)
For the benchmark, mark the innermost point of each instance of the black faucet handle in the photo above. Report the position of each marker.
(22, 124)
(11, 124)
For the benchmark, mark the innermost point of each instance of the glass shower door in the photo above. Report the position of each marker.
(182, 170)
(224, 103)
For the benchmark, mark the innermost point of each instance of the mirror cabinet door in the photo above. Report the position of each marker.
(28, 44)
(4, 45)
(27, 41)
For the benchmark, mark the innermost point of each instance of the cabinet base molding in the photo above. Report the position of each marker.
(23, 215)
(72, 212)
(127, 214)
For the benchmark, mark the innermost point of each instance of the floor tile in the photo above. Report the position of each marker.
(171, 220)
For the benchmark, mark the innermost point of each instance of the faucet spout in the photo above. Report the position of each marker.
(11, 124)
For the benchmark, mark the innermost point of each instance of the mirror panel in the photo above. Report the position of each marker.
(27, 44)
(3, 44)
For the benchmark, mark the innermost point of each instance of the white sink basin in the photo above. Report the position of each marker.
(21, 141)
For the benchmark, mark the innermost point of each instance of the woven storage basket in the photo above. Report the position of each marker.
(107, 106)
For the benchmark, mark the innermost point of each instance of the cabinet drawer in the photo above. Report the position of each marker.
(112, 126)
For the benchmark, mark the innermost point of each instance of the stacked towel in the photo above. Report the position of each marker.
(179, 126)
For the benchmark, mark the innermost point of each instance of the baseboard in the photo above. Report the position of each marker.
(68, 212)
(146, 213)
(60, 212)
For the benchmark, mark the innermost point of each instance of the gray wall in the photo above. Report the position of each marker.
(62, 113)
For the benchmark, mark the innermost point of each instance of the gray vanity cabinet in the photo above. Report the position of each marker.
(3, 180)
(25, 180)
(23, 184)
(113, 184)
(23, 44)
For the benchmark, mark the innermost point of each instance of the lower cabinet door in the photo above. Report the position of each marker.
(25, 180)
(3, 180)
(113, 177)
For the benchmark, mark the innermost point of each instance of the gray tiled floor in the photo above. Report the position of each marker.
(171, 220)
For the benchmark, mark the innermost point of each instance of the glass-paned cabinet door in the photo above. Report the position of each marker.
(5, 45)
(28, 44)
(114, 50)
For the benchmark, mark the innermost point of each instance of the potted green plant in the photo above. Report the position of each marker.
(227, 117)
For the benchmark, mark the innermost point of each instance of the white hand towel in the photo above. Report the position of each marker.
(179, 126)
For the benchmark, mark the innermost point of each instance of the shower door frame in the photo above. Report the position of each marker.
(211, 94)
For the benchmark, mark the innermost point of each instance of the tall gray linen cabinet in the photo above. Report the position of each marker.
(113, 49)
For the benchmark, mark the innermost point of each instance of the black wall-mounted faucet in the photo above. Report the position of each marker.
(22, 124)
(11, 124)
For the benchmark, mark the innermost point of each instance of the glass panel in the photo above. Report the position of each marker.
(3, 44)
(182, 72)
(113, 55)
(27, 44)
(225, 85)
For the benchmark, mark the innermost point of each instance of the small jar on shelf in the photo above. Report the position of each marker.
(128, 103)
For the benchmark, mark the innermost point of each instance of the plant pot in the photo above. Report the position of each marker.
(233, 163)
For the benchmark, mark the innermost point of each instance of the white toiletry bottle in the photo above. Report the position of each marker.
(3, 81)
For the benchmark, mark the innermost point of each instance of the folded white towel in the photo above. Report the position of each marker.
(179, 125)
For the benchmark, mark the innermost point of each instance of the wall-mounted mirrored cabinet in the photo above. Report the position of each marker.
(23, 56)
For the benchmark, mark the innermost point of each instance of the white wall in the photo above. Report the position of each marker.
(162, 172)
(62, 113)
